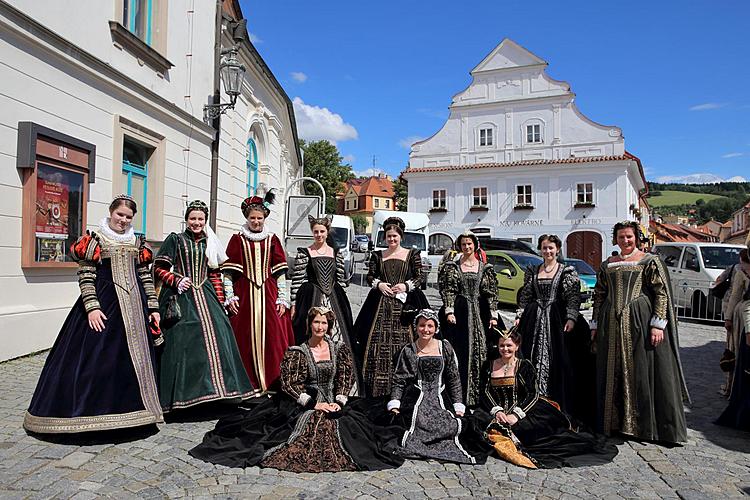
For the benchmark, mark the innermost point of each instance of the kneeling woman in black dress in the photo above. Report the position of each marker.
(523, 427)
(308, 427)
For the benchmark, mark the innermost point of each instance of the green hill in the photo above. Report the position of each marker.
(673, 198)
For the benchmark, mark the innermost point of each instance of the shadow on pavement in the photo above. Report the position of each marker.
(704, 378)
(201, 413)
(115, 436)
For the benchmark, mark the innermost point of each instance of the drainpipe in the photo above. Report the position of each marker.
(216, 124)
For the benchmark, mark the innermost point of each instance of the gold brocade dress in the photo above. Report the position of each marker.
(640, 388)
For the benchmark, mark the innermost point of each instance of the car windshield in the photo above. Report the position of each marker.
(720, 257)
(361, 238)
(339, 235)
(410, 240)
(580, 266)
(526, 260)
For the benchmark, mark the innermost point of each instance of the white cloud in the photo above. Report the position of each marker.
(406, 142)
(299, 76)
(254, 39)
(348, 159)
(733, 155)
(706, 106)
(369, 172)
(702, 178)
(315, 123)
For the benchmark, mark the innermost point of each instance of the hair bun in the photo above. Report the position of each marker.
(394, 221)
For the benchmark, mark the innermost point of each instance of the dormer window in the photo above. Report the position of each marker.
(534, 133)
(485, 137)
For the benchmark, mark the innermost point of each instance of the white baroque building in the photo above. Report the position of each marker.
(101, 97)
(516, 158)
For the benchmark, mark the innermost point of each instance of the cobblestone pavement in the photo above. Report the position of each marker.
(714, 464)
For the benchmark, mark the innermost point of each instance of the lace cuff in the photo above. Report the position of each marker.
(496, 409)
(375, 282)
(659, 323)
(409, 285)
(283, 297)
(449, 310)
(393, 404)
(459, 407)
(341, 399)
(303, 399)
(519, 412)
(592, 324)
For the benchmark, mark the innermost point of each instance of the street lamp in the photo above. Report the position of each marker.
(232, 73)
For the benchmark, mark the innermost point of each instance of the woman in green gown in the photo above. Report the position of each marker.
(200, 361)
(640, 384)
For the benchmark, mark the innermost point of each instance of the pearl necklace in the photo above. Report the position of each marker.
(624, 256)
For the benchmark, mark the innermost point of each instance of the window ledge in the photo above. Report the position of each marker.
(438, 209)
(479, 208)
(584, 205)
(122, 36)
(523, 207)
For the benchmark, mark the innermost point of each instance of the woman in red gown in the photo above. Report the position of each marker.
(258, 295)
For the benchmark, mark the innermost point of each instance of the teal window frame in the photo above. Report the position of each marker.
(252, 167)
(130, 15)
(140, 171)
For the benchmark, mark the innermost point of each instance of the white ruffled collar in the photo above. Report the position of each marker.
(126, 237)
(250, 235)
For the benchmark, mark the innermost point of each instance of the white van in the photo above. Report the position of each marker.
(416, 235)
(693, 268)
(342, 233)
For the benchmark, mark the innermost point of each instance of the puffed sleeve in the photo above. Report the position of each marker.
(164, 262)
(601, 289)
(450, 282)
(373, 269)
(279, 265)
(488, 289)
(656, 282)
(571, 293)
(341, 270)
(87, 252)
(299, 272)
(145, 258)
(526, 375)
(406, 373)
(452, 378)
(344, 373)
(294, 375)
(526, 293)
(415, 270)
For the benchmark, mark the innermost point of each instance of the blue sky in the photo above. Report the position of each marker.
(373, 76)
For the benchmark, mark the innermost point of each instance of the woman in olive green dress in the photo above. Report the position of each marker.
(200, 361)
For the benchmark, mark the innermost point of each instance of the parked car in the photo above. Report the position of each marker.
(507, 244)
(588, 280)
(362, 243)
(693, 268)
(510, 266)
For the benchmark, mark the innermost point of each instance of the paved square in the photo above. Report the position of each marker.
(714, 464)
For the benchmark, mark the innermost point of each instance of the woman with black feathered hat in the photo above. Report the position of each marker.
(200, 361)
(257, 295)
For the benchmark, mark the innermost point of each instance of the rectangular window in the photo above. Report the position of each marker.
(377, 202)
(438, 198)
(585, 193)
(534, 133)
(347, 204)
(137, 17)
(135, 179)
(479, 197)
(387, 203)
(485, 137)
(523, 195)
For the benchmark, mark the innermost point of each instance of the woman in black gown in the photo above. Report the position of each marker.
(556, 337)
(318, 280)
(426, 383)
(523, 427)
(309, 426)
(99, 375)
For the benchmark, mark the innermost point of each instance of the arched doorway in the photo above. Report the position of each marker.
(585, 245)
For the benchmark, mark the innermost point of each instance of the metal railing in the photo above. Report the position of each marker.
(692, 300)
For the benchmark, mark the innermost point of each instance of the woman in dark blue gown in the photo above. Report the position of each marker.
(99, 375)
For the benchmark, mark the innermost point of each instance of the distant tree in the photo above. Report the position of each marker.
(401, 193)
(360, 223)
(324, 163)
(700, 202)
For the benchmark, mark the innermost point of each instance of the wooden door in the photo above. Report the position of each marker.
(585, 245)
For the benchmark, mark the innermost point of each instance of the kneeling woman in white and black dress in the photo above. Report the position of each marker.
(309, 427)
(426, 392)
